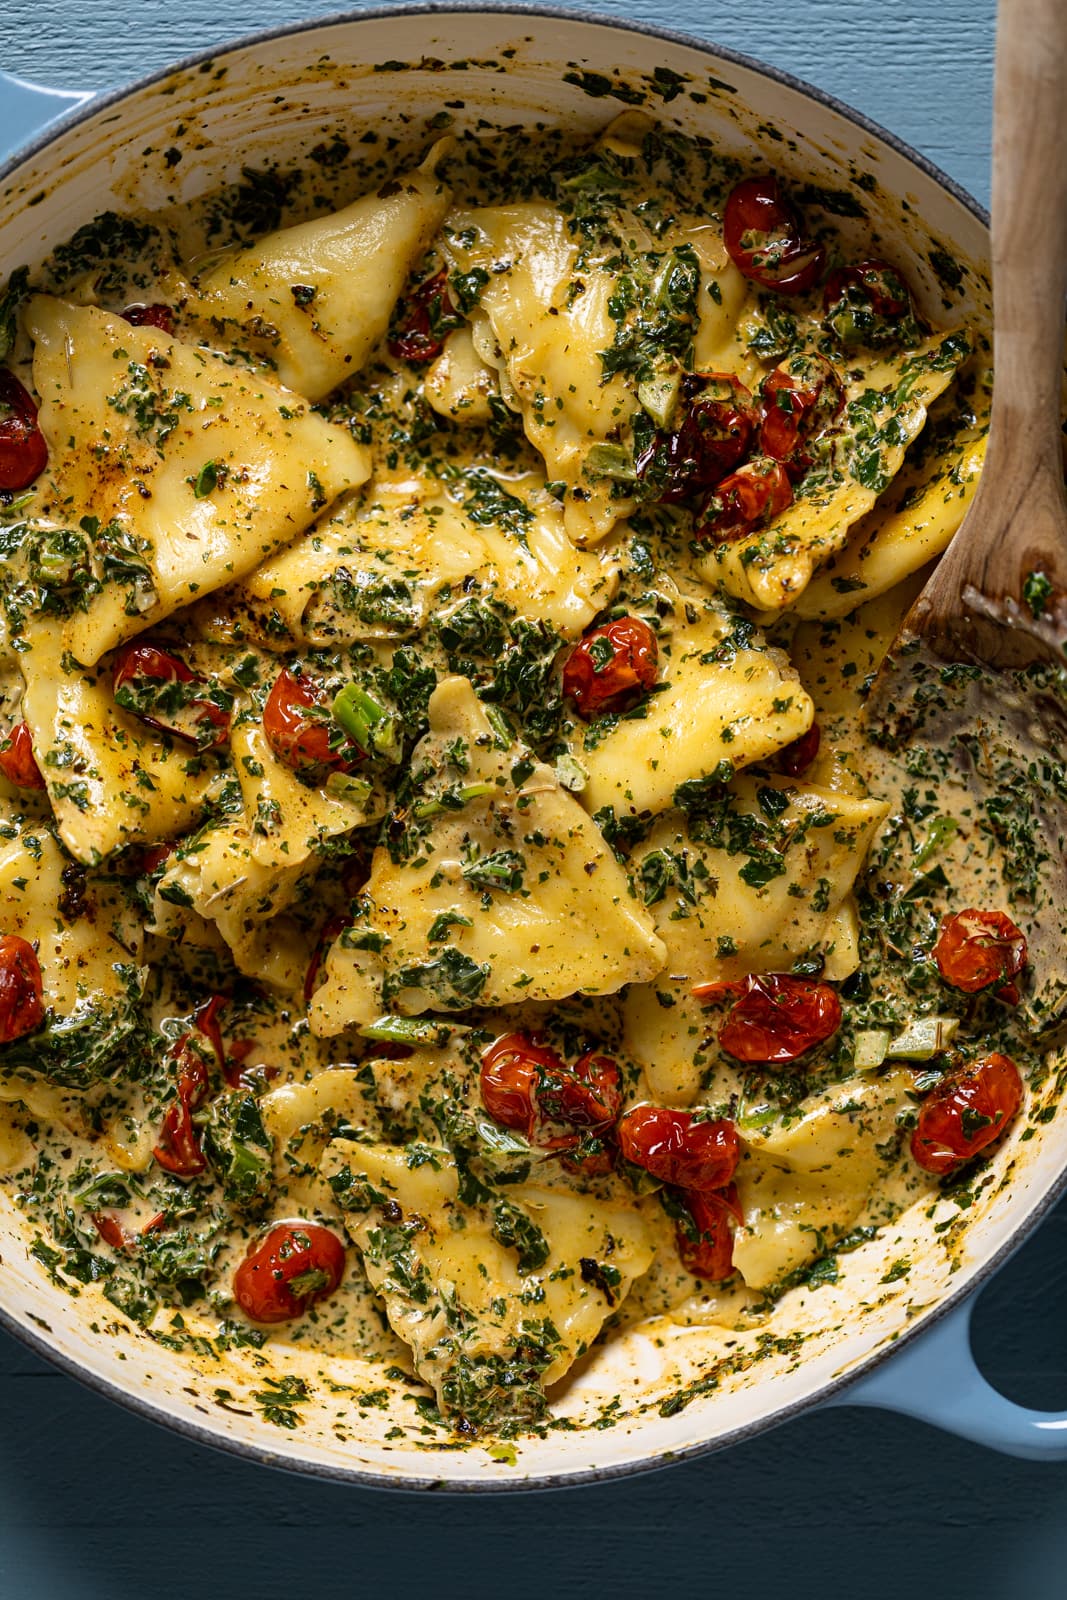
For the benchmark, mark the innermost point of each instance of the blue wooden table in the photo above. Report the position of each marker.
(98, 1505)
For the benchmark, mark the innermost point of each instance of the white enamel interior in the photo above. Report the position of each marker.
(273, 99)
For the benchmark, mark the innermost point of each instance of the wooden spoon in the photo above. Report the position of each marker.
(977, 674)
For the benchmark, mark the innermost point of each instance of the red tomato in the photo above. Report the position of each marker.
(191, 1059)
(979, 950)
(800, 401)
(21, 988)
(706, 1242)
(763, 239)
(292, 1266)
(23, 451)
(712, 439)
(299, 729)
(513, 1071)
(17, 760)
(160, 690)
(527, 1086)
(966, 1112)
(776, 1017)
(797, 757)
(428, 315)
(746, 500)
(677, 1149)
(111, 1230)
(154, 316)
(599, 1098)
(869, 303)
(611, 667)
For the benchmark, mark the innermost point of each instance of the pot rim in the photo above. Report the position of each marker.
(199, 1434)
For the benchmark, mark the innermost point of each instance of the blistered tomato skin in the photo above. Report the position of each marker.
(23, 450)
(612, 667)
(527, 1086)
(965, 1113)
(17, 761)
(153, 316)
(799, 403)
(21, 988)
(706, 1244)
(674, 1147)
(869, 303)
(159, 689)
(292, 1267)
(775, 1017)
(719, 420)
(190, 1061)
(745, 500)
(428, 318)
(978, 950)
(763, 239)
(301, 732)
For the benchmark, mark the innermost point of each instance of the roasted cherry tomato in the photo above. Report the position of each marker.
(800, 402)
(745, 500)
(21, 988)
(190, 1060)
(869, 304)
(718, 423)
(674, 1147)
(705, 1238)
(763, 238)
(154, 316)
(111, 1230)
(160, 690)
(978, 950)
(23, 451)
(797, 757)
(512, 1070)
(292, 1266)
(426, 318)
(302, 732)
(966, 1112)
(611, 667)
(527, 1086)
(776, 1017)
(17, 760)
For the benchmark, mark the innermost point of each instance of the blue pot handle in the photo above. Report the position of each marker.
(936, 1380)
(26, 109)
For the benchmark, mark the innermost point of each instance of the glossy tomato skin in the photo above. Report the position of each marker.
(190, 1060)
(869, 303)
(800, 402)
(978, 950)
(301, 731)
(23, 450)
(677, 1149)
(294, 1265)
(966, 1112)
(160, 689)
(745, 500)
(21, 988)
(611, 667)
(764, 241)
(718, 423)
(775, 1017)
(798, 756)
(527, 1086)
(17, 760)
(705, 1240)
(153, 316)
(511, 1071)
(427, 318)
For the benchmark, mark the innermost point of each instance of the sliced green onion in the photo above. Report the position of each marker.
(342, 786)
(940, 831)
(570, 774)
(407, 1030)
(451, 800)
(610, 461)
(367, 723)
(659, 396)
(923, 1038)
(757, 1117)
(870, 1049)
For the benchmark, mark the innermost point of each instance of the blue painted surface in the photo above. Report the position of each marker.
(94, 1502)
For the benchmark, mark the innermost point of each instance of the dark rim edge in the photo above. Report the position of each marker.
(202, 1435)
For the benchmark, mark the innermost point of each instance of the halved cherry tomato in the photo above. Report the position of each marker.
(966, 1112)
(978, 950)
(191, 1059)
(23, 451)
(111, 1230)
(527, 1086)
(611, 667)
(763, 238)
(301, 731)
(746, 500)
(706, 1241)
(154, 316)
(17, 760)
(712, 439)
(674, 1147)
(292, 1267)
(800, 402)
(21, 988)
(776, 1017)
(427, 318)
(161, 690)
(869, 303)
(797, 757)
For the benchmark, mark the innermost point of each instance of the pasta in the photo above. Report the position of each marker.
(448, 903)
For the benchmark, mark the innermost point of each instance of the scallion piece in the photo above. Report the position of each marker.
(871, 1049)
(922, 1038)
(367, 723)
(407, 1030)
